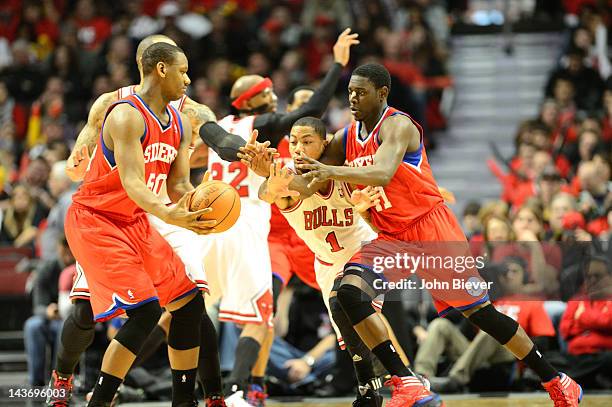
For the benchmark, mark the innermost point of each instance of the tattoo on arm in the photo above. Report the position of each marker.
(198, 115)
(90, 132)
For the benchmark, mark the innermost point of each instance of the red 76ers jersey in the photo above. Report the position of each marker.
(412, 192)
(102, 189)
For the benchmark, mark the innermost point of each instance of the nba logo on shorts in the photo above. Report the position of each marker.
(474, 286)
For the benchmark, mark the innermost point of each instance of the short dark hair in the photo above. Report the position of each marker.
(317, 125)
(291, 97)
(375, 73)
(159, 52)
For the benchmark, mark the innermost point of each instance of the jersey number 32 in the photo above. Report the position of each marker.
(236, 173)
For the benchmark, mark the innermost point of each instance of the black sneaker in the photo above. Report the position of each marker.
(366, 397)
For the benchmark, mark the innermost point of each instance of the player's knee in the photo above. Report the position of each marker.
(498, 325)
(182, 335)
(139, 325)
(354, 302)
(82, 314)
(191, 311)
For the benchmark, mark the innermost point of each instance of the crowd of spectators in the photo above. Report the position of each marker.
(58, 56)
(553, 219)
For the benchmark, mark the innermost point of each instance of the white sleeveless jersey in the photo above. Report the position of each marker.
(238, 175)
(329, 225)
(178, 105)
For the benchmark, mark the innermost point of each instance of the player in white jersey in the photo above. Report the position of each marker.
(79, 327)
(241, 258)
(330, 223)
(246, 299)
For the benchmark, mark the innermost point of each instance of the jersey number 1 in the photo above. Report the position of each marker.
(242, 172)
(333, 242)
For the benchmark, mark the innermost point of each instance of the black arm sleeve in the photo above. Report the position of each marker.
(274, 126)
(223, 143)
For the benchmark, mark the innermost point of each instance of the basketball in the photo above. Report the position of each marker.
(222, 198)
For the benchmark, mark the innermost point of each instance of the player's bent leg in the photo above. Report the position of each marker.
(122, 351)
(77, 334)
(209, 369)
(249, 346)
(369, 384)
(562, 389)
(355, 295)
(184, 347)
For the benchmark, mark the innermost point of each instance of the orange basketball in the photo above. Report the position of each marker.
(222, 198)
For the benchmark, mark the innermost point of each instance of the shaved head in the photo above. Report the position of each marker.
(243, 84)
(150, 40)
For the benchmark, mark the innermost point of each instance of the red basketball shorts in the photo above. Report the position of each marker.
(289, 255)
(436, 250)
(127, 264)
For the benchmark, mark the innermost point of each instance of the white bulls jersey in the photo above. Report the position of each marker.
(178, 105)
(329, 225)
(238, 175)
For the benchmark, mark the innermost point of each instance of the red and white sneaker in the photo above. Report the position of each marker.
(60, 391)
(409, 391)
(256, 396)
(564, 391)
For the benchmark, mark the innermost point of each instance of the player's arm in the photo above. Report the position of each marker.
(124, 127)
(274, 126)
(198, 115)
(400, 137)
(334, 154)
(204, 127)
(178, 182)
(77, 163)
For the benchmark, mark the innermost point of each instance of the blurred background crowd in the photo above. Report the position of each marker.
(58, 56)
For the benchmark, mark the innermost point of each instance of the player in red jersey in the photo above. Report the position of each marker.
(78, 329)
(384, 148)
(129, 266)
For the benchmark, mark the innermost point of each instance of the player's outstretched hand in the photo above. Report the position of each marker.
(364, 199)
(180, 215)
(342, 47)
(77, 163)
(278, 183)
(257, 156)
(314, 170)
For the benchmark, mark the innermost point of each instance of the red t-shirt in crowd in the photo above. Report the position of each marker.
(587, 325)
(92, 33)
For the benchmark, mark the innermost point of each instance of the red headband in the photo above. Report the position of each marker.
(252, 91)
